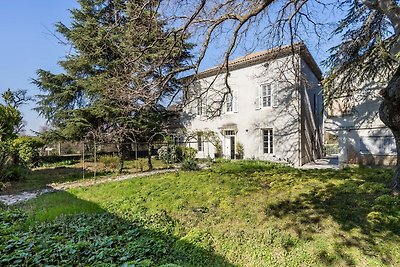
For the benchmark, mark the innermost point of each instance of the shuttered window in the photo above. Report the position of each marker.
(266, 96)
(231, 102)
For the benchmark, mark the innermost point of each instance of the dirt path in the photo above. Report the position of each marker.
(25, 196)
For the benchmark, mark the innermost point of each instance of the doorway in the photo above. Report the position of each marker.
(229, 144)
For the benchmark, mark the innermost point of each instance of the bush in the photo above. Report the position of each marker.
(27, 150)
(239, 150)
(170, 153)
(110, 163)
(190, 165)
(15, 173)
(188, 153)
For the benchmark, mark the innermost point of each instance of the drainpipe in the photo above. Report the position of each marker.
(298, 85)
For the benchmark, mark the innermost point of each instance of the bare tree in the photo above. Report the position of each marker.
(369, 30)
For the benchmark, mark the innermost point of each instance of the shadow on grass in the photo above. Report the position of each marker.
(75, 232)
(357, 200)
(41, 178)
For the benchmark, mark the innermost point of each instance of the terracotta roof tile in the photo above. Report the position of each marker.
(264, 56)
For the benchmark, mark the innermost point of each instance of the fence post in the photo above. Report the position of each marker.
(83, 160)
(95, 159)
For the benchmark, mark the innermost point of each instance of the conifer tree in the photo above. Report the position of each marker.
(124, 59)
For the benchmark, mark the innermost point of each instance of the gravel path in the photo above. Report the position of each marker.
(25, 196)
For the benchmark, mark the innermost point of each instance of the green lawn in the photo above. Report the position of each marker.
(244, 213)
(68, 171)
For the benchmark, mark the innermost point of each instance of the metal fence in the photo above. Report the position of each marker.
(89, 152)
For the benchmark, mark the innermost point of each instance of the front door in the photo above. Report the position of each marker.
(229, 144)
(232, 141)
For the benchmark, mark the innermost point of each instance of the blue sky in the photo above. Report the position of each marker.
(27, 45)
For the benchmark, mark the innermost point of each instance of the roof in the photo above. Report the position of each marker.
(267, 55)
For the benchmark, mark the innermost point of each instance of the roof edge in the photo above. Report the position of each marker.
(264, 56)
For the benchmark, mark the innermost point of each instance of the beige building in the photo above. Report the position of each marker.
(273, 111)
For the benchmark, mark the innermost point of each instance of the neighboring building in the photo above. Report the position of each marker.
(361, 136)
(275, 110)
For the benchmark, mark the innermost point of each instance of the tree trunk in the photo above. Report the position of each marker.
(150, 164)
(121, 158)
(389, 112)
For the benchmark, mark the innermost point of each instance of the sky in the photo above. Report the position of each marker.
(27, 44)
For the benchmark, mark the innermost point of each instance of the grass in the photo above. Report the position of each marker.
(68, 171)
(244, 213)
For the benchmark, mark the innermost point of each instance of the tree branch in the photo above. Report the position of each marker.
(392, 10)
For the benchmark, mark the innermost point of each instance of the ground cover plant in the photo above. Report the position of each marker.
(243, 213)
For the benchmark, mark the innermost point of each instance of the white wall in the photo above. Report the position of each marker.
(284, 118)
(361, 126)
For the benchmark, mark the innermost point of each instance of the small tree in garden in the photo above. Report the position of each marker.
(10, 125)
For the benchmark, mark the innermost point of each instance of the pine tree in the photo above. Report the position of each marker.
(124, 59)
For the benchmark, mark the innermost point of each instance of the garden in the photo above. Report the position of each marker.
(240, 213)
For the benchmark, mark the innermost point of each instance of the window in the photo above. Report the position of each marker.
(266, 95)
(378, 145)
(199, 106)
(229, 103)
(199, 143)
(229, 132)
(268, 141)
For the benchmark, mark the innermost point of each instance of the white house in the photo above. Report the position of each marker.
(361, 135)
(274, 111)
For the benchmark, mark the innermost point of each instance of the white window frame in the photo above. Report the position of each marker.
(231, 102)
(229, 132)
(267, 143)
(199, 107)
(268, 96)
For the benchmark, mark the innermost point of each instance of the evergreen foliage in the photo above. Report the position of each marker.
(364, 53)
(124, 61)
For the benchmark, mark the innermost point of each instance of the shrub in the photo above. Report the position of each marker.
(239, 150)
(27, 150)
(110, 163)
(15, 173)
(189, 164)
(218, 149)
(188, 153)
(170, 153)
